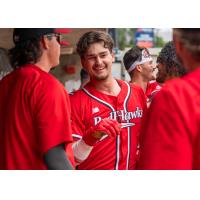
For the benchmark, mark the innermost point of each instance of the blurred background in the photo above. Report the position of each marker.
(68, 71)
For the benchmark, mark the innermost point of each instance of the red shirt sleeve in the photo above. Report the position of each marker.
(77, 117)
(52, 115)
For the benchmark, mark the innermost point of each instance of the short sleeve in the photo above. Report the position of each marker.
(52, 113)
(78, 127)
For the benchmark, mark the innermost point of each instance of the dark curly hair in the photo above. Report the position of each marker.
(92, 37)
(168, 58)
(25, 52)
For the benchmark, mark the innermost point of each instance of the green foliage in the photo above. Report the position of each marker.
(159, 42)
(125, 37)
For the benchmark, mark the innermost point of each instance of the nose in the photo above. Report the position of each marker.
(98, 60)
(151, 66)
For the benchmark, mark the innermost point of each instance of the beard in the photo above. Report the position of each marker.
(160, 79)
(101, 77)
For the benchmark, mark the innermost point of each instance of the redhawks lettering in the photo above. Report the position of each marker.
(97, 120)
(122, 115)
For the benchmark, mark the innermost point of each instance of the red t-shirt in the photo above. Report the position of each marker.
(34, 117)
(152, 88)
(170, 137)
(89, 106)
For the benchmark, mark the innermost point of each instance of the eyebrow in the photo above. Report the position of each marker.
(103, 52)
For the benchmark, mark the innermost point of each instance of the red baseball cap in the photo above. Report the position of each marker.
(63, 31)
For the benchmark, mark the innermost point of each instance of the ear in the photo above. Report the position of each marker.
(45, 43)
(139, 68)
(113, 56)
(83, 63)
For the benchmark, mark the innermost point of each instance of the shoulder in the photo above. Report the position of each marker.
(7, 77)
(137, 93)
(178, 91)
(43, 83)
(77, 94)
(187, 85)
(131, 85)
(126, 86)
(136, 88)
(33, 74)
(153, 85)
(79, 99)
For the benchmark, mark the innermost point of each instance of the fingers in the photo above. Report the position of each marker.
(110, 127)
(115, 124)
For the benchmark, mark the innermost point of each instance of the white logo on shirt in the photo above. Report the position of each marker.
(95, 110)
(122, 115)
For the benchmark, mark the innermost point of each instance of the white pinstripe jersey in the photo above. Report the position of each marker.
(89, 106)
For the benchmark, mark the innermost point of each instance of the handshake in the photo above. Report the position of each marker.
(109, 127)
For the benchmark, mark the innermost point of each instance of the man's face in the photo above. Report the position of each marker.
(98, 62)
(162, 74)
(53, 51)
(147, 71)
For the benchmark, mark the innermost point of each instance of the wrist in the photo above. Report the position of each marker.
(91, 137)
(89, 140)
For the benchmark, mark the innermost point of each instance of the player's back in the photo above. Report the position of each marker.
(187, 96)
(171, 136)
(18, 95)
(192, 102)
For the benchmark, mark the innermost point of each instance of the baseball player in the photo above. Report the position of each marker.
(106, 113)
(35, 124)
(168, 65)
(170, 135)
(139, 64)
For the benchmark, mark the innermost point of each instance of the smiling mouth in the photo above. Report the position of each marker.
(99, 69)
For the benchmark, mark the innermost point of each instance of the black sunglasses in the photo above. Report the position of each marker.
(57, 35)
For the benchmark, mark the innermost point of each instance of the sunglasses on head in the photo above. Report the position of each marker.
(57, 35)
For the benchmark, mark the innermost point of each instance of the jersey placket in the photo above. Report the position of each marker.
(118, 137)
(125, 102)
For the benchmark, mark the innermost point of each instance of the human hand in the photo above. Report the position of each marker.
(106, 126)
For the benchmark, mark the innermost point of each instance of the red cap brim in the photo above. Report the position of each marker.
(63, 30)
(64, 43)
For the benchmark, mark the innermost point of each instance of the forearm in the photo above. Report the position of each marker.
(81, 151)
(83, 147)
(56, 159)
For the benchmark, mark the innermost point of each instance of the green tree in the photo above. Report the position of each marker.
(159, 42)
(125, 37)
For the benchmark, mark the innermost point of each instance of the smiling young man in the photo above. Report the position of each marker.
(106, 113)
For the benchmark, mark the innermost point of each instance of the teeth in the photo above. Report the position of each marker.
(99, 68)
